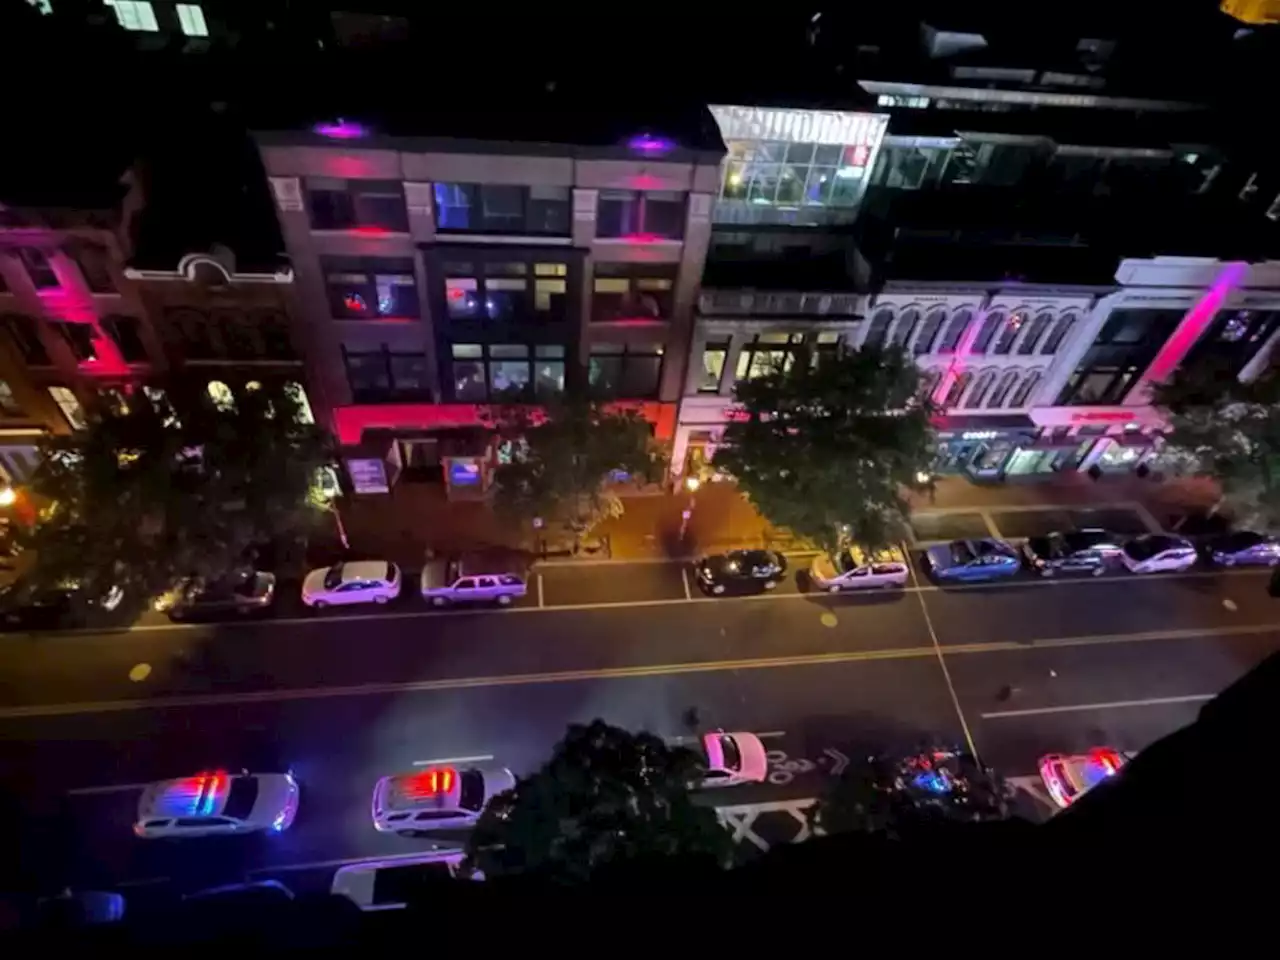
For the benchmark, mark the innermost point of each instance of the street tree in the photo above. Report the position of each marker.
(144, 495)
(606, 798)
(1229, 430)
(829, 450)
(564, 462)
(891, 796)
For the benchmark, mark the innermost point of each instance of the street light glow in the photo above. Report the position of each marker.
(692, 483)
(7, 497)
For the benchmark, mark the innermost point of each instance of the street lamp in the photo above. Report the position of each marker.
(7, 497)
(691, 484)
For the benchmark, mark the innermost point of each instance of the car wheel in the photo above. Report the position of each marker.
(438, 601)
(1228, 561)
(504, 600)
(318, 605)
(834, 588)
(770, 584)
(381, 598)
(718, 589)
(1099, 570)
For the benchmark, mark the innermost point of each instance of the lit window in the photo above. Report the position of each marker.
(44, 6)
(135, 15)
(221, 395)
(70, 407)
(191, 19)
(8, 403)
(294, 392)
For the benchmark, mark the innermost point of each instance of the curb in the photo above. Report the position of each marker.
(684, 558)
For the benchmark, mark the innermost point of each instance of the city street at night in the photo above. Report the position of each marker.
(1023, 668)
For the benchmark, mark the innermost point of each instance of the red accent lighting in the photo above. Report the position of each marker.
(431, 782)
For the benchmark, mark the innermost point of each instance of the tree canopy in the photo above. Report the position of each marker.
(144, 494)
(876, 794)
(828, 450)
(563, 463)
(1229, 430)
(606, 797)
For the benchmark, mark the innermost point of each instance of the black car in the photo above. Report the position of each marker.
(1080, 551)
(243, 593)
(740, 571)
(1243, 547)
(24, 606)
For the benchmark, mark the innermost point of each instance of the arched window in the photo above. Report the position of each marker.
(905, 326)
(1009, 333)
(980, 390)
(1002, 391)
(1059, 334)
(1023, 394)
(293, 390)
(989, 328)
(879, 329)
(221, 395)
(955, 331)
(929, 332)
(956, 390)
(1039, 325)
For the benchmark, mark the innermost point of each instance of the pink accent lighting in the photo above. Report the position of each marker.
(649, 145)
(342, 130)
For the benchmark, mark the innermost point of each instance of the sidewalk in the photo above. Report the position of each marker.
(402, 525)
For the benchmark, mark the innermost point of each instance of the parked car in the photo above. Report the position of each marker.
(1089, 551)
(740, 571)
(1158, 553)
(733, 758)
(243, 593)
(1067, 777)
(217, 803)
(970, 561)
(436, 798)
(472, 579)
(361, 581)
(25, 606)
(393, 884)
(1243, 547)
(856, 569)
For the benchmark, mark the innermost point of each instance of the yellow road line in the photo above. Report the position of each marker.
(607, 673)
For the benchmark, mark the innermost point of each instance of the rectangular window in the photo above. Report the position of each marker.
(369, 289)
(410, 378)
(38, 268)
(502, 209)
(713, 357)
(70, 407)
(25, 337)
(470, 384)
(79, 337)
(629, 291)
(8, 403)
(274, 330)
(768, 353)
(135, 15)
(641, 214)
(125, 332)
(191, 19)
(506, 371)
(548, 371)
(368, 375)
(92, 259)
(357, 204)
(506, 290)
(624, 371)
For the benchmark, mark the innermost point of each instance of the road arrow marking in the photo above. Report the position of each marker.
(838, 760)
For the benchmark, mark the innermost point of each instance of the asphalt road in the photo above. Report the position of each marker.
(1023, 668)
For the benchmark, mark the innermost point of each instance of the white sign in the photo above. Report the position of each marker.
(980, 435)
(801, 126)
(368, 475)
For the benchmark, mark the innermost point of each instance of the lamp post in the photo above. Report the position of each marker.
(691, 484)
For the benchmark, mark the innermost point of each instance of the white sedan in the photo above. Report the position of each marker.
(1158, 553)
(361, 581)
(217, 803)
(733, 758)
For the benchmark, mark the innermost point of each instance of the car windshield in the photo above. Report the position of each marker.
(334, 577)
(732, 755)
(961, 552)
(471, 790)
(241, 797)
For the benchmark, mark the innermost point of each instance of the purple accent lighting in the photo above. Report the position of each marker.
(342, 130)
(650, 145)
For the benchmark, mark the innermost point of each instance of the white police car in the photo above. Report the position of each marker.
(436, 798)
(217, 803)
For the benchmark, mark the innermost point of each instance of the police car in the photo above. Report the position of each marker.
(733, 758)
(436, 798)
(217, 803)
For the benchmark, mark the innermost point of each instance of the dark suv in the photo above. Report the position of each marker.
(1081, 551)
(740, 571)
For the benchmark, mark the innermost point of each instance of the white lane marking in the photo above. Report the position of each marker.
(326, 864)
(479, 758)
(942, 660)
(1029, 583)
(1230, 604)
(1084, 707)
(771, 733)
(542, 600)
(684, 576)
(111, 788)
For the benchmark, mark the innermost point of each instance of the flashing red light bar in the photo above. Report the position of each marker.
(432, 782)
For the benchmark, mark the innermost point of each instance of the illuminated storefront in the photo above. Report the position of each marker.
(795, 166)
